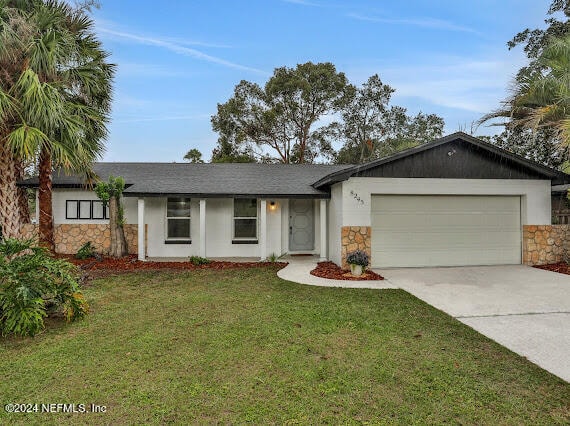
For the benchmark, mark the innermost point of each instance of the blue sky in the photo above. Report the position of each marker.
(178, 59)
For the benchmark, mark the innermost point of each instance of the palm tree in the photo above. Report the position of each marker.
(58, 98)
(541, 100)
(13, 30)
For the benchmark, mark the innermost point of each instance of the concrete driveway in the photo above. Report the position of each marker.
(524, 309)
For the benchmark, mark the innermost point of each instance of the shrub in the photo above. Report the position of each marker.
(86, 251)
(357, 257)
(197, 260)
(34, 285)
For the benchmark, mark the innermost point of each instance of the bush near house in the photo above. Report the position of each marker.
(34, 285)
(197, 260)
(86, 251)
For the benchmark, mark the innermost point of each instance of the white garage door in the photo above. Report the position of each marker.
(445, 230)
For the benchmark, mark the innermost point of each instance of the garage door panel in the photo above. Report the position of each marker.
(441, 258)
(471, 239)
(445, 230)
(404, 221)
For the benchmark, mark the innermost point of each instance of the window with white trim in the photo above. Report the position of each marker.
(245, 219)
(86, 210)
(178, 219)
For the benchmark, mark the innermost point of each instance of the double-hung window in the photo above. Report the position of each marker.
(178, 219)
(245, 219)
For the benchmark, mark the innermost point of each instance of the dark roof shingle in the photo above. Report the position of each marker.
(209, 180)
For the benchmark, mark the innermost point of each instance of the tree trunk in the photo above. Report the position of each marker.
(46, 238)
(22, 195)
(9, 210)
(118, 242)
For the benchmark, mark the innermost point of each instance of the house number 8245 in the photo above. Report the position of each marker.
(357, 197)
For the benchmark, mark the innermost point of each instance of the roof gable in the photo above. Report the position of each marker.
(457, 156)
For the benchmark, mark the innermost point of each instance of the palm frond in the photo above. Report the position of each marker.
(26, 141)
(60, 97)
(541, 100)
(41, 103)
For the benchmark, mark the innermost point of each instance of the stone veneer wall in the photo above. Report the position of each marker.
(70, 237)
(355, 238)
(543, 244)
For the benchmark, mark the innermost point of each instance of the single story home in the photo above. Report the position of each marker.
(454, 201)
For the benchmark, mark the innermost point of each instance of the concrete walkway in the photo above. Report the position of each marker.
(299, 268)
(525, 309)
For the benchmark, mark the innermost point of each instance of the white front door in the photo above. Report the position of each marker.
(301, 225)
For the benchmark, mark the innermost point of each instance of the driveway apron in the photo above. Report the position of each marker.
(524, 309)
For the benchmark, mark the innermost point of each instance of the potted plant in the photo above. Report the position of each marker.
(358, 261)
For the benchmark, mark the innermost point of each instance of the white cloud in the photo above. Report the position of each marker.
(178, 48)
(437, 24)
(471, 84)
(123, 100)
(132, 69)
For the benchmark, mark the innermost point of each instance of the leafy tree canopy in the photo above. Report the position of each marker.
(194, 156)
(113, 188)
(227, 152)
(539, 101)
(535, 114)
(276, 123)
(535, 40)
(537, 146)
(283, 121)
(369, 128)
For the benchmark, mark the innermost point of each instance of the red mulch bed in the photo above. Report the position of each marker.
(562, 268)
(334, 272)
(131, 263)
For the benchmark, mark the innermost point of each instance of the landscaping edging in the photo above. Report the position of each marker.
(560, 267)
(332, 271)
(132, 264)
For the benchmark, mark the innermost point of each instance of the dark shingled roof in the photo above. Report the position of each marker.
(209, 180)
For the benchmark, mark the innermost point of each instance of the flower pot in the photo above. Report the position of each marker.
(356, 270)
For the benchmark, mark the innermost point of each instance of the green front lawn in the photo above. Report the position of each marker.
(237, 346)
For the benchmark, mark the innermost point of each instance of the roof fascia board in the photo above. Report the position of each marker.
(224, 195)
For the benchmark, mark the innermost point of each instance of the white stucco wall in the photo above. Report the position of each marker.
(219, 220)
(284, 207)
(335, 217)
(155, 219)
(535, 196)
(317, 225)
(219, 217)
(60, 195)
(274, 227)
